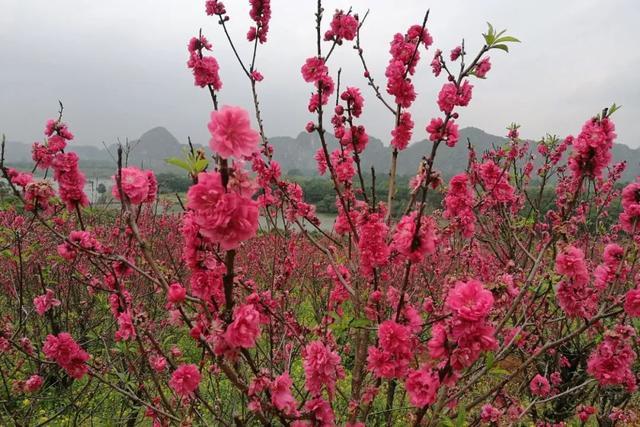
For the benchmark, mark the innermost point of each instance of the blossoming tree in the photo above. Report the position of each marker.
(497, 308)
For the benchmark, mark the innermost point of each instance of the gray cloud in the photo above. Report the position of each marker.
(119, 65)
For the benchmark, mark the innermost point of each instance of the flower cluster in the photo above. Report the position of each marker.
(45, 302)
(452, 95)
(404, 59)
(439, 131)
(374, 251)
(70, 180)
(185, 379)
(576, 297)
(224, 217)
(401, 134)
(316, 71)
(611, 362)
(205, 68)
(63, 350)
(260, 13)
(631, 207)
(231, 133)
(422, 386)
(245, 328)
(459, 340)
(139, 186)
(79, 240)
(215, 7)
(592, 148)
(459, 203)
(322, 368)
(411, 244)
(57, 134)
(343, 27)
(391, 358)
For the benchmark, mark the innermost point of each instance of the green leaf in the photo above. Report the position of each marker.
(490, 37)
(200, 165)
(490, 360)
(613, 109)
(462, 416)
(335, 316)
(501, 47)
(183, 164)
(507, 39)
(447, 422)
(499, 371)
(360, 323)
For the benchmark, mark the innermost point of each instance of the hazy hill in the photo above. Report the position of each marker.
(297, 154)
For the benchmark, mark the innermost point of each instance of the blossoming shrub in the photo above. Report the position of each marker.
(494, 308)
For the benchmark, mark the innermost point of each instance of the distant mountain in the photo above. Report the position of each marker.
(297, 154)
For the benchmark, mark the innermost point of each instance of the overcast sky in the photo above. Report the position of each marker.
(119, 65)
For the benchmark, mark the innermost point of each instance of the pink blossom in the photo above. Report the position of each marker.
(577, 299)
(323, 415)
(540, 386)
(414, 245)
(70, 180)
(496, 183)
(438, 132)
(470, 300)
(257, 75)
(185, 379)
(176, 294)
(135, 185)
(584, 412)
(343, 26)
(157, 362)
(260, 13)
(354, 100)
(33, 383)
(422, 386)
(451, 96)
(245, 328)
(632, 303)
(374, 251)
(205, 71)
(592, 148)
(281, 396)
(231, 133)
(459, 203)
(314, 69)
(610, 363)
(224, 217)
(343, 165)
(321, 367)
(399, 86)
(570, 262)
(126, 331)
(63, 350)
(38, 195)
(42, 155)
(215, 7)
(44, 303)
(490, 414)
(436, 63)
(355, 137)
(455, 53)
(21, 179)
(401, 134)
(631, 207)
(613, 254)
(482, 68)
(395, 348)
